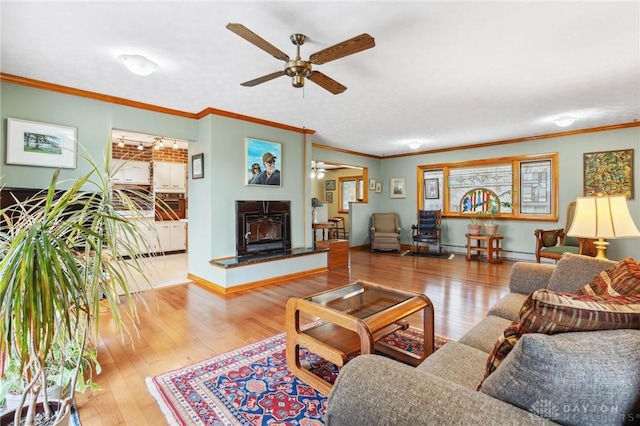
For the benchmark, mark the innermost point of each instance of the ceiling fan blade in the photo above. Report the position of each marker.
(255, 39)
(340, 50)
(327, 83)
(262, 79)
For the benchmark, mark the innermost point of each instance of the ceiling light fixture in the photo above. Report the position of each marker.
(564, 121)
(121, 143)
(140, 147)
(138, 64)
(175, 144)
(414, 145)
(316, 172)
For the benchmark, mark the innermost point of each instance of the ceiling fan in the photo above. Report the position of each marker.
(298, 69)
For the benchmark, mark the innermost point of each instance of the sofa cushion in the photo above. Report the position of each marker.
(551, 312)
(572, 378)
(484, 334)
(621, 278)
(574, 271)
(508, 306)
(458, 363)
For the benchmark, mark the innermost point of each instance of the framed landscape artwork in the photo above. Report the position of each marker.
(263, 163)
(40, 144)
(609, 173)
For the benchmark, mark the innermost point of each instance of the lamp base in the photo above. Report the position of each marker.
(601, 247)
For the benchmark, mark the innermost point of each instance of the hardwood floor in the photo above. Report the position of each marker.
(186, 323)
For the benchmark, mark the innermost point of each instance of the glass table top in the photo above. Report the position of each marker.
(359, 299)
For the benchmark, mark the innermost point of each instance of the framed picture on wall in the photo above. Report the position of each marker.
(40, 144)
(329, 197)
(372, 184)
(431, 189)
(378, 187)
(263, 162)
(609, 173)
(197, 166)
(397, 187)
(330, 185)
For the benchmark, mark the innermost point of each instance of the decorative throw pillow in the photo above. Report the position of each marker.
(621, 278)
(551, 312)
(584, 378)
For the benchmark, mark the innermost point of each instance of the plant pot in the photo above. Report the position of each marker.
(474, 229)
(490, 228)
(7, 418)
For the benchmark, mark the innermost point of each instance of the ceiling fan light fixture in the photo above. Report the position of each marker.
(297, 81)
(138, 64)
(564, 121)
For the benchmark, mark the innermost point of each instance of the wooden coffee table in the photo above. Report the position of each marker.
(357, 317)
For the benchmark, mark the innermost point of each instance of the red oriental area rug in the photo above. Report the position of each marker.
(253, 386)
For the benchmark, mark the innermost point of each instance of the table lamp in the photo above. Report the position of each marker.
(602, 217)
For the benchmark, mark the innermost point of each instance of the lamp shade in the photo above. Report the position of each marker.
(602, 217)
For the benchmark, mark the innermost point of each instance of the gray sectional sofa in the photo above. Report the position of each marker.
(559, 377)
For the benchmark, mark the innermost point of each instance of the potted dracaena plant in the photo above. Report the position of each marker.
(64, 254)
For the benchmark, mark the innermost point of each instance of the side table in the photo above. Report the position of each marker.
(491, 247)
(323, 226)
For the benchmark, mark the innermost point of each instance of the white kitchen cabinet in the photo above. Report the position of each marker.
(130, 172)
(168, 177)
(172, 235)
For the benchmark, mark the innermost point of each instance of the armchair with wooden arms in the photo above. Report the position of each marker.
(385, 231)
(552, 243)
(427, 231)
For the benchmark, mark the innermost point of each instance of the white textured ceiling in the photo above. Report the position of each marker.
(441, 73)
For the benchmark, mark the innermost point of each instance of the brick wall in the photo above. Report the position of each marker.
(168, 154)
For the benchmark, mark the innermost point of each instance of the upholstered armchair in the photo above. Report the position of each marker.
(385, 232)
(427, 231)
(552, 243)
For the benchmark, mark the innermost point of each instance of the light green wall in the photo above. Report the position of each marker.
(519, 240)
(221, 139)
(92, 119)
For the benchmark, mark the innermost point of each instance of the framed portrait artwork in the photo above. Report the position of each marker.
(431, 189)
(378, 186)
(330, 185)
(372, 184)
(329, 197)
(609, 173)
(197, 166)
(40, 144)
(397, 187)
(263, 163)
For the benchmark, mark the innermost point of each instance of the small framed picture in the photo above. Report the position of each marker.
(197, 166)
(397, 187)
(378, 187)
(329, 197)
(372, 184)
(330, 185)
(431, 189)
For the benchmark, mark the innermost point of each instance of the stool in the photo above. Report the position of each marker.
(340, 229)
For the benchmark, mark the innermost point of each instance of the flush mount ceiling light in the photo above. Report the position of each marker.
(564, 121)
(138, 64)
(414, 144)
